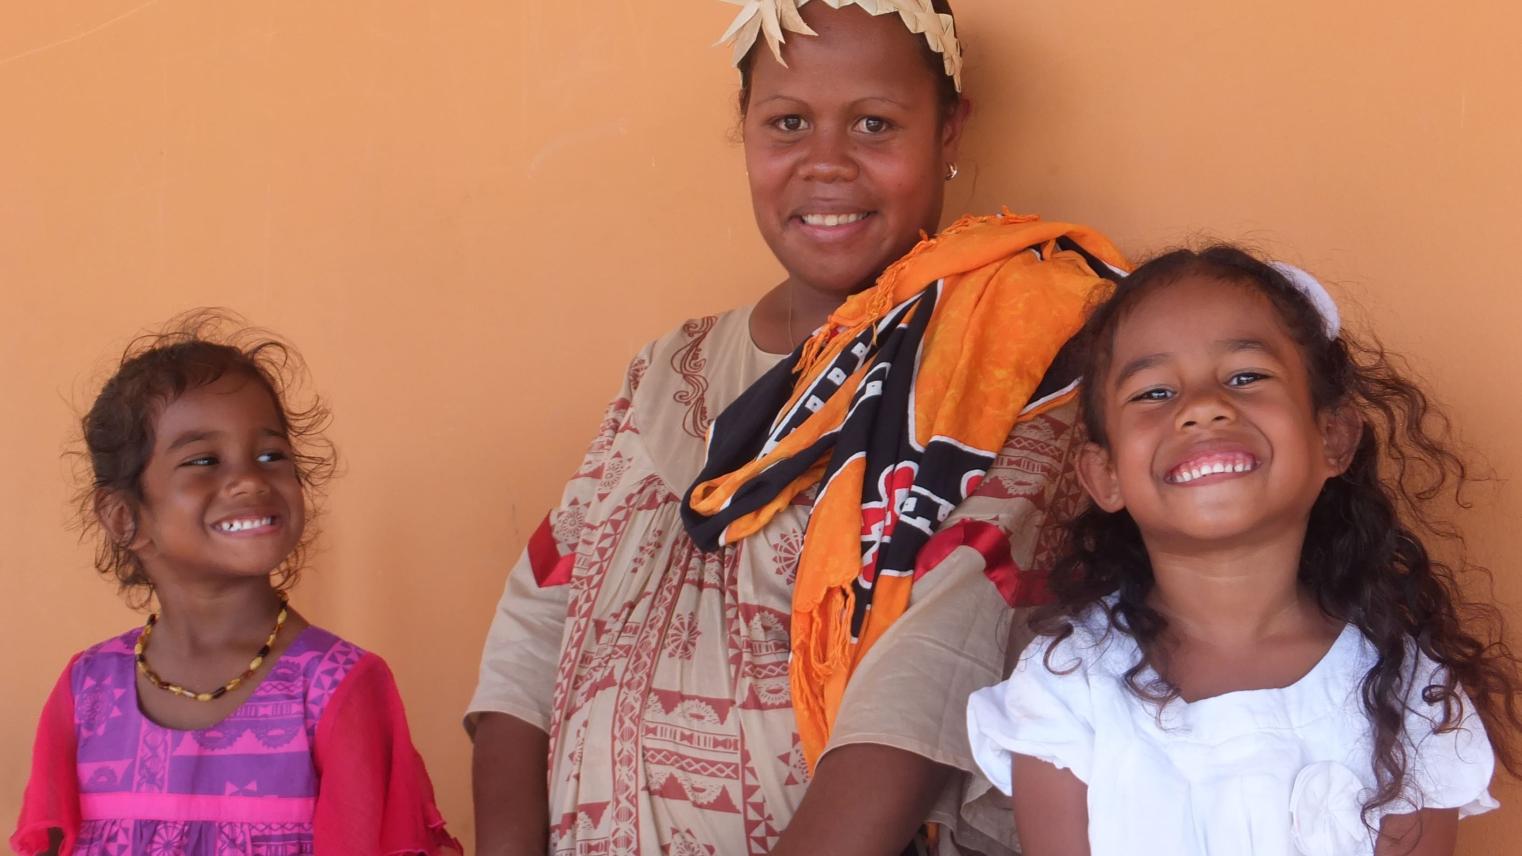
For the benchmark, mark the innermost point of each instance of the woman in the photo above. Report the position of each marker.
(683, 695)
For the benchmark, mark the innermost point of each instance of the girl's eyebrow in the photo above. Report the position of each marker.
(1140, 364)
(1231, 346)
(194, 436)
(1234, 345)
(190, 437)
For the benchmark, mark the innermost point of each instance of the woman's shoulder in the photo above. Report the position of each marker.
(727, 329)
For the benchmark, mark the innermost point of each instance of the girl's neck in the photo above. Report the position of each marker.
(214, 615)
(1234, 597)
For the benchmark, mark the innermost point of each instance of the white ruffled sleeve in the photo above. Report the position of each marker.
(1449, 769)
(1037, 712)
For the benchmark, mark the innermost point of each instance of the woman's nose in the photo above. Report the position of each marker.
(829, 158)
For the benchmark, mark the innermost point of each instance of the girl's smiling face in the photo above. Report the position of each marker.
(221, 495)
(846, 147)
(1212, 432)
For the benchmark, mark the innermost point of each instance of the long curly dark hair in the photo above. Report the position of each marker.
(193, 350)
(1366, 557)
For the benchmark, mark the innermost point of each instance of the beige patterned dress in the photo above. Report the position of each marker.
(660, 672)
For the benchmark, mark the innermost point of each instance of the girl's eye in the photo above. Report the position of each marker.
(790, 124)
(873, 124)
(1245, 378)
(272, 456)
(1154, 394)
(201, 461)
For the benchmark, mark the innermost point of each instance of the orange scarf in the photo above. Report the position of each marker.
(1005, 294)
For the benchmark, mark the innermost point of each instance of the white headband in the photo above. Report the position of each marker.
(775, 18)
(1314, 291)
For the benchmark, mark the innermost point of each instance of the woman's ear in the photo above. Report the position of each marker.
(951, 129)
(118, 517)
(1096, 472)
(1341, 431)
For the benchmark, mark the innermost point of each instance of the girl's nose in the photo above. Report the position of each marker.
(247, 480)
(1205, 410)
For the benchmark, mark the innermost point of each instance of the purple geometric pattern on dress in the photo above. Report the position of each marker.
(334, 666)
(264, 748)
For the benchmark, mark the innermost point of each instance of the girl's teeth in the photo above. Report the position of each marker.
(1213, 468)
(241, 525)
(832, 219)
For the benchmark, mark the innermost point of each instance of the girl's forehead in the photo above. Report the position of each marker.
(233, 400)
(1196, 311)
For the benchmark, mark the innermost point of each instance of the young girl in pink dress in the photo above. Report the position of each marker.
(226, 724)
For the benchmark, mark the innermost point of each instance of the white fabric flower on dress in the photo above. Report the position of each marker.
(1326, 811)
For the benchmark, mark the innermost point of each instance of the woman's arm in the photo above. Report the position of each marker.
(864, 800)
(1429, 832)
(1051, 809)
(508, 769)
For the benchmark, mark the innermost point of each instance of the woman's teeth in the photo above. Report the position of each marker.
(832, 219)
(245, 523)
(1189, 472)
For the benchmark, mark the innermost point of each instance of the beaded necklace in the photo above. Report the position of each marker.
(140, 653)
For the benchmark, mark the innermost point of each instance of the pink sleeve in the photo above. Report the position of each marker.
(374, 797)
(52, 792)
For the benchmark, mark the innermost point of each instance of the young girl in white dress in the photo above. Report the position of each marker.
(1250, 649)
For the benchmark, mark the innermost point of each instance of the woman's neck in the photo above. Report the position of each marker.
(785, 316)
(811, 307)
(210, 616)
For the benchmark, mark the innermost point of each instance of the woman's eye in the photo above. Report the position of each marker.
(873, 124)
(1155, 394)
(791, 124)
(1245, 378)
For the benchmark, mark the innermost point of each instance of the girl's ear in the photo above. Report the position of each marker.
(118, 516)
(1341, 430)
(1096, 472)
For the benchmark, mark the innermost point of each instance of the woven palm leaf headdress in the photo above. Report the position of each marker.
(775, 18)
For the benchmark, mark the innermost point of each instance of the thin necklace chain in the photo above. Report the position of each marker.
(792, 342)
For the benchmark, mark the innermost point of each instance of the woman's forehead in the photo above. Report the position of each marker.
(855, 53)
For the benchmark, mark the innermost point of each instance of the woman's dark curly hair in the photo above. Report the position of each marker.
(1365, 560)
(193, 350)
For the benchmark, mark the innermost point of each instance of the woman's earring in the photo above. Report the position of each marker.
(952, 172)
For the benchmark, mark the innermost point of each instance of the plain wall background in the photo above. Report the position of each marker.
(469, 215)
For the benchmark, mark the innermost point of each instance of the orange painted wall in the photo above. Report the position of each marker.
(468, 215)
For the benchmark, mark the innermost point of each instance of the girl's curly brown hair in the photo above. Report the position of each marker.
(1366, 556)
(193, 350)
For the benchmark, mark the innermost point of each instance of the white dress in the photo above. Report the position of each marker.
(1251, 773)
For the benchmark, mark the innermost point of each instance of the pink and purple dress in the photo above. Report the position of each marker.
(317, 760)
